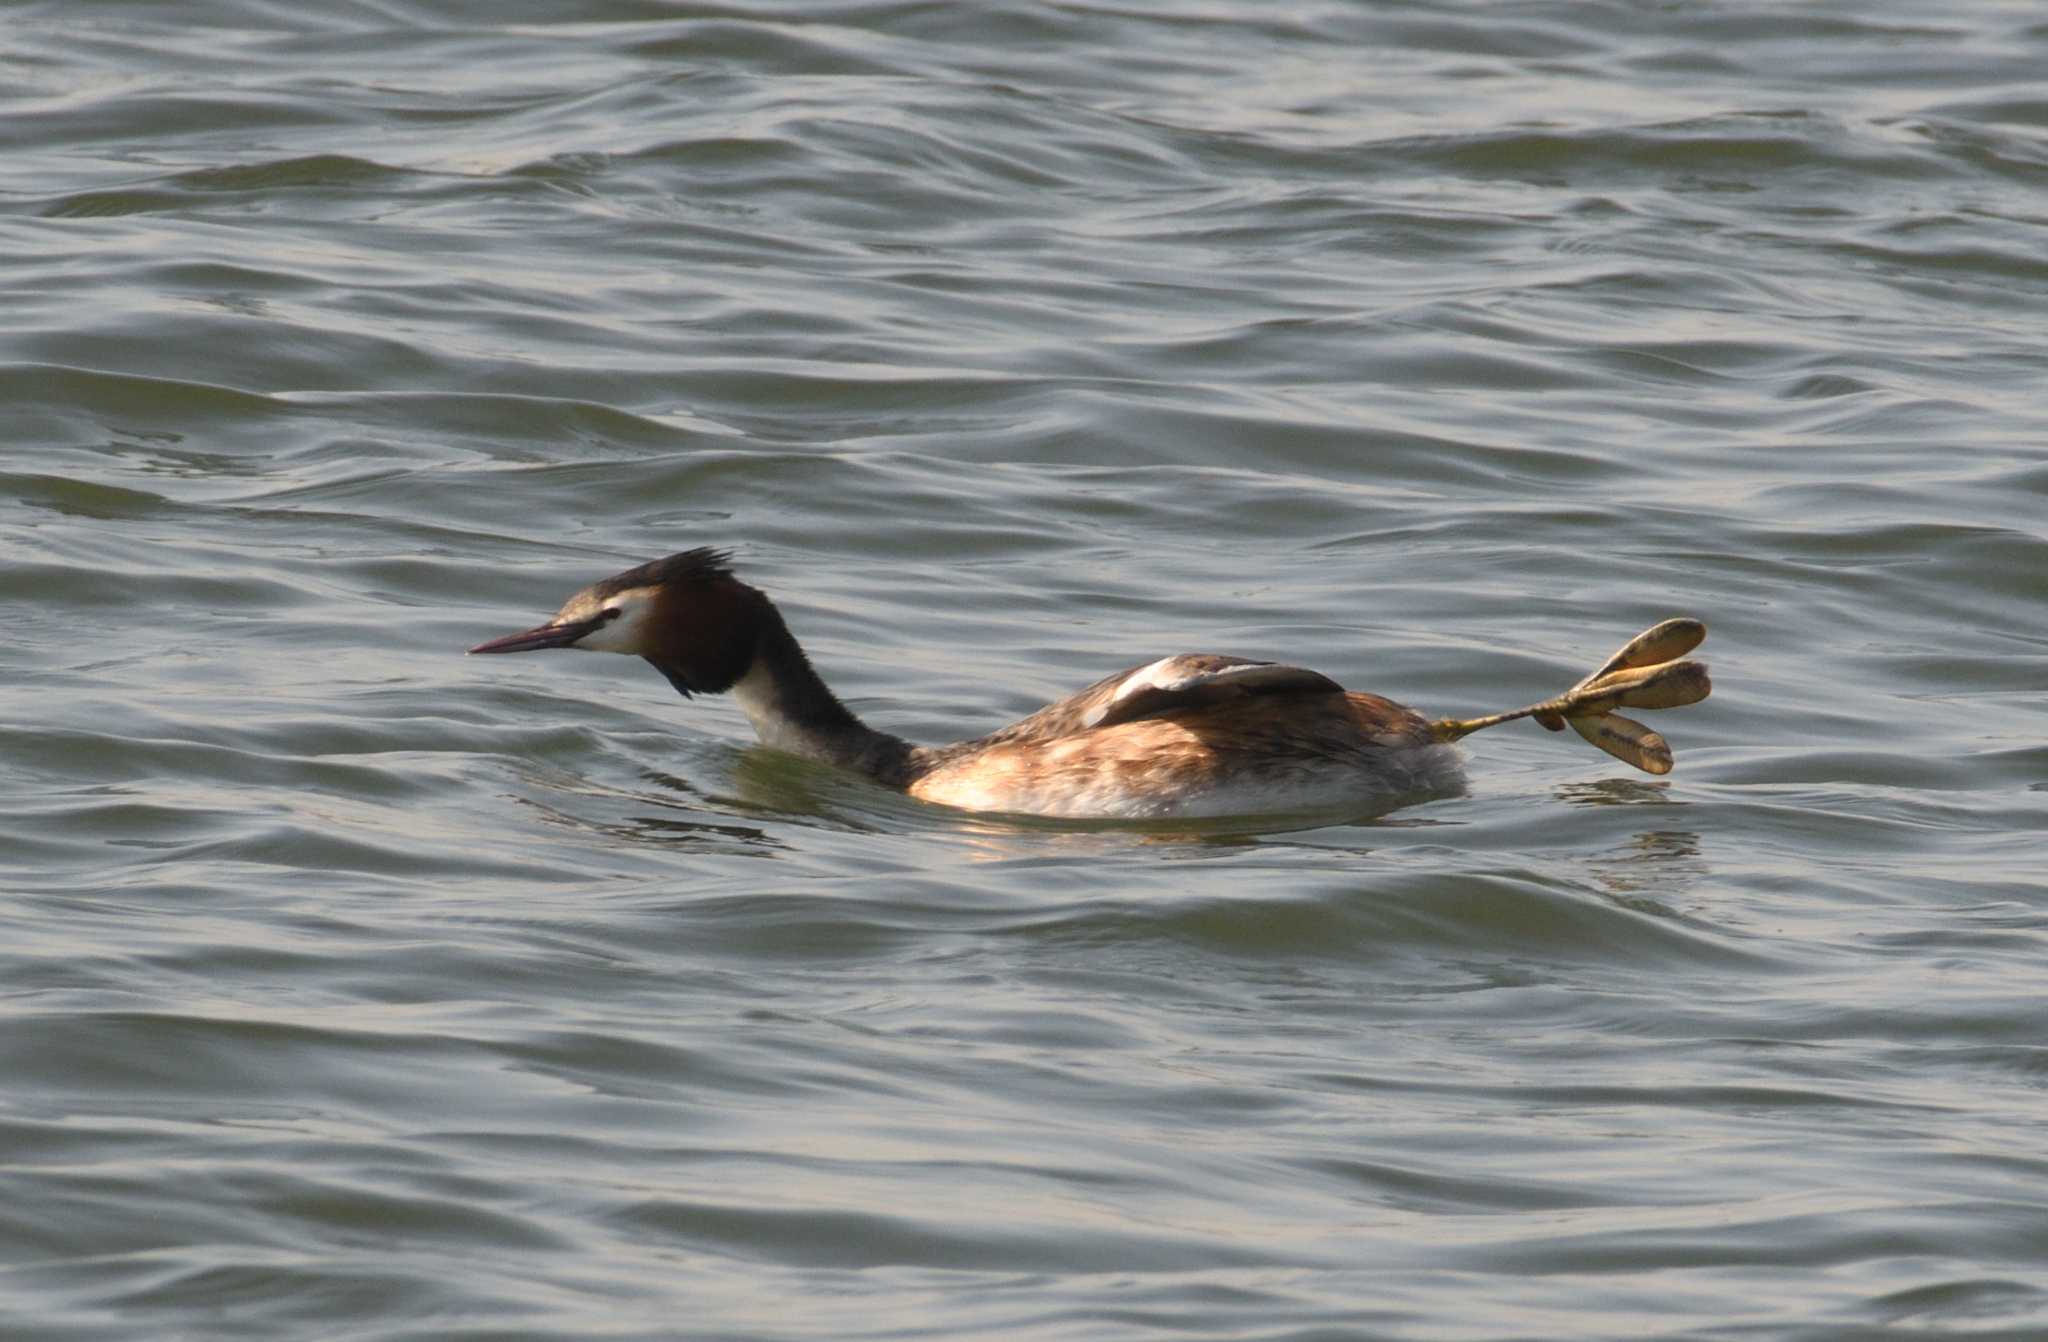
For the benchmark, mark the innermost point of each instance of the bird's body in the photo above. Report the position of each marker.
(1259, 755)
(1191, 735)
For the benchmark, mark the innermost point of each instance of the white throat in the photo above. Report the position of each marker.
(758, 699)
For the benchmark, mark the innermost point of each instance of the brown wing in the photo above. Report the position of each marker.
(1190, 680)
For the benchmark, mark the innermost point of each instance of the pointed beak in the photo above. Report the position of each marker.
(540, 636)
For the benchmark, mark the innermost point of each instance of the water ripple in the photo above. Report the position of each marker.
(353, 985)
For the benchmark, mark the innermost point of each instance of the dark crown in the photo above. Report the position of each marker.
(691, 566)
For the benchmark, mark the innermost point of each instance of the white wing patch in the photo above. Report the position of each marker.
(1168, 674)
(1186, 681)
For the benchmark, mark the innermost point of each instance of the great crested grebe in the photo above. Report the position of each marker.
(1192, 735)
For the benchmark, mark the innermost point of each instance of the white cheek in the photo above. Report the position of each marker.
(622, 634)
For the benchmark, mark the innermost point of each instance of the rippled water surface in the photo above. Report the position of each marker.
(355, 989)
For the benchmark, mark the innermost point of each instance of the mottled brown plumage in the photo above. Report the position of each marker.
(1292, 745)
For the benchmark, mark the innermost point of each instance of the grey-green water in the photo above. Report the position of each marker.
(353, 989)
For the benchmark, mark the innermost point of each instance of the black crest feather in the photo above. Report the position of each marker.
(699, 565)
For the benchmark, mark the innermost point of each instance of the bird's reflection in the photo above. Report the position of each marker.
(1617, 792)
(687, 825)
(1653, 867)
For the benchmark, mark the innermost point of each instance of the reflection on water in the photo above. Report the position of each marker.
(1663, 863)
(612, 813)
(1653, 867)
(1618, 792)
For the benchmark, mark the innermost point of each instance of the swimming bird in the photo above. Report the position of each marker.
(1197, 734)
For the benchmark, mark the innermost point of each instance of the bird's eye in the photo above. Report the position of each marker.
(609, 613)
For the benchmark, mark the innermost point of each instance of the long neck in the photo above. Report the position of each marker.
(792, 710)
